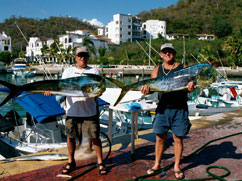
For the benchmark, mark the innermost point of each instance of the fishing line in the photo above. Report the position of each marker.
(93, 167)
(213, 176)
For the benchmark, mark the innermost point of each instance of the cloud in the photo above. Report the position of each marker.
(94, 22)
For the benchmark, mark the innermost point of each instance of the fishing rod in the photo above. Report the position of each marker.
(225, 74)
(146, 52)
(21, 32)
(195, 58)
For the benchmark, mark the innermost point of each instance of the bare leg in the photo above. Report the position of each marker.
(178, 149)
(98, 149)
(89, 147)
(159, 148)
(71, 146)
(79, 141)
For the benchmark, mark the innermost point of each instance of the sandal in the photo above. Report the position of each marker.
(69, 167)
(100, 171)
(151, 171)
(179, 172)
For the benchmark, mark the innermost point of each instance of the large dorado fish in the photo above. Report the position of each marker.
(202, 74)
(90, 85)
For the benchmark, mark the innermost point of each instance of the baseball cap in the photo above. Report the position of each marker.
(81, 50)
(167, 45)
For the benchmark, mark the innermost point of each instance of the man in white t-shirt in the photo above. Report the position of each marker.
(81, 115)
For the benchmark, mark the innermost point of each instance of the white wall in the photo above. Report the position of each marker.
(120, 29)
(154, 27)
(34, 47)
(5, 42)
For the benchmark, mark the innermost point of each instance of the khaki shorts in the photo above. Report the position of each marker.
(87, 127)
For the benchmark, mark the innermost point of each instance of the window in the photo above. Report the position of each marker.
(116, 22)
(129, 33)
(129, 26)
(121, 22)
(121, 35)
(65, 40)
(70, 40)
(144, 26)
(121, 29)
(129, 20)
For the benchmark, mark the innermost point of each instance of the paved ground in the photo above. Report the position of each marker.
(122, 166)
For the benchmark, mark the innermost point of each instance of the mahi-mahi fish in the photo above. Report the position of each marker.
(90, 85)
(41, 157)
(201, 74)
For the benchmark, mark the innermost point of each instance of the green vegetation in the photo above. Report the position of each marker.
(219, 17)
(42, 28)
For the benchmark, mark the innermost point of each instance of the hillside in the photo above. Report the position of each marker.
(43, 28)
(198, 16)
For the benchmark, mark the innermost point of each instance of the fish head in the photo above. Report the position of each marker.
(207, 75)
(96, 85)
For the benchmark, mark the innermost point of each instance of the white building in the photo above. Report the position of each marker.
(5, 42)
(123, 28)
(71, 38)
(35, 45)
(173, 36)
(154, 27)
(205, 37)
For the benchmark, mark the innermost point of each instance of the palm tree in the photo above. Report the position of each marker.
(102, 58)
(88, 43)
(233, 45)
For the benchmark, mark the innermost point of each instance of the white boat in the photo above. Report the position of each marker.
(217, 98)
(27, 139)
(24, 73)
(19, 64)
(39, 131)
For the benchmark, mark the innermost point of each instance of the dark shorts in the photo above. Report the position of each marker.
(78, 126)
(172, 119)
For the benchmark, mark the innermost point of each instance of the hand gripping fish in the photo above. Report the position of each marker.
(90, 85)
(201, 74)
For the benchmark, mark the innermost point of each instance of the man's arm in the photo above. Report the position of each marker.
(145, 89)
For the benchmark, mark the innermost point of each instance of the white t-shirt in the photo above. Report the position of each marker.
(80, 106)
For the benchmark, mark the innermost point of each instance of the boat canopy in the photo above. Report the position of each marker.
(39, 106)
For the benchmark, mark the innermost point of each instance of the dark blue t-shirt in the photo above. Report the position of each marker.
(175, 99)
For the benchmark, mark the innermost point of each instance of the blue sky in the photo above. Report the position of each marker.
(95, 11)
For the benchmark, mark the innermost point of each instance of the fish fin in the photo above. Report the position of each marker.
(13, 91)
(94, 76)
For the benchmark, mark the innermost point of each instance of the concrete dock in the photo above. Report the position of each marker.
(122, 165)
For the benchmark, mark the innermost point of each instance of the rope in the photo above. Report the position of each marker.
(213, 176)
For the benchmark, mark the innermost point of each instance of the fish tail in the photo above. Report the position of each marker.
(116, 82)
(122, 94)
(121, 85)
(13, 91)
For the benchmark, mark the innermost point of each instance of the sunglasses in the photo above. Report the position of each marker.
(83, 54)
(165, 51)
